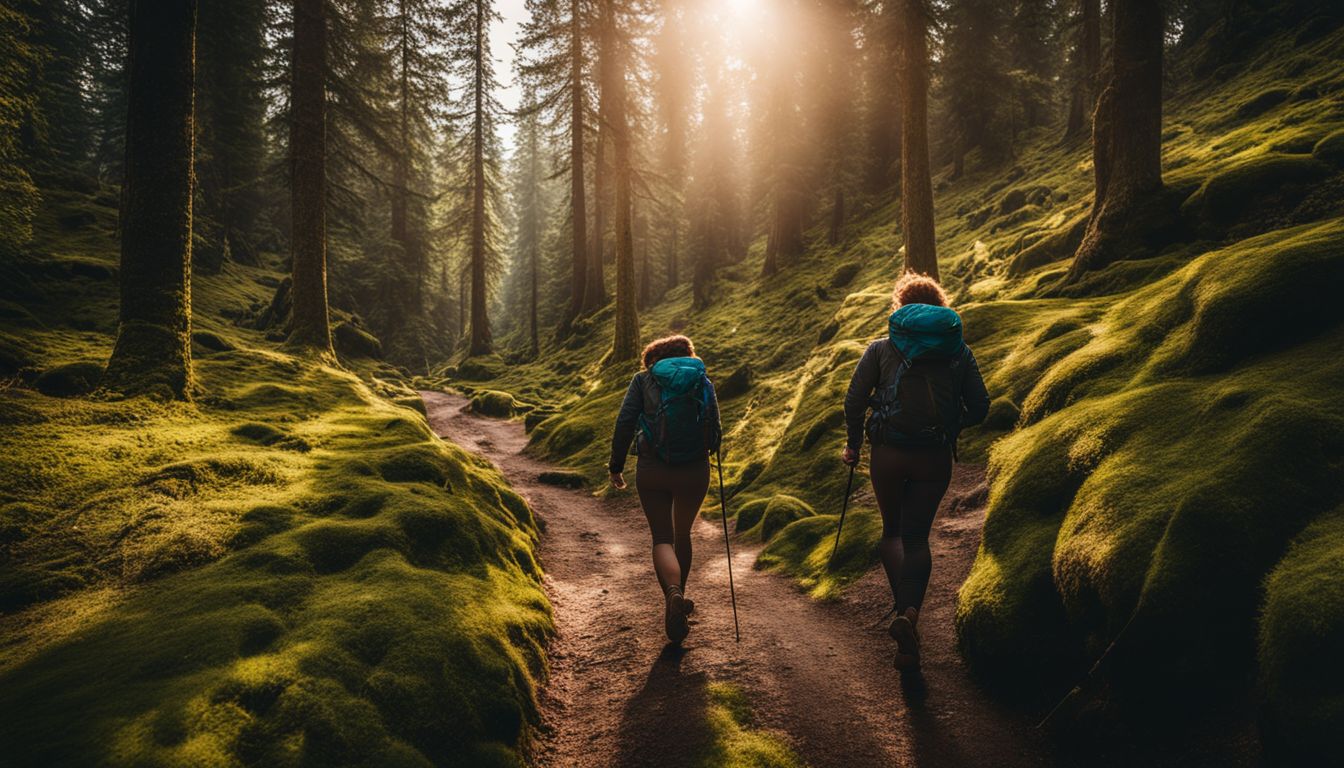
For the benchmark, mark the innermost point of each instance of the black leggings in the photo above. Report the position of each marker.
(909, 484)
(671, 496)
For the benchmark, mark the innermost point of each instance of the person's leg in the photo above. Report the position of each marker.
(931, 472)
(888, 478)
(687, 499)
(657, 503)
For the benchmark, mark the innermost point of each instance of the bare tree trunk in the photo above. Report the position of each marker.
(578, 209)
(310, 321)
(1084, 97)
(625, 341)
(921, 253)
(837, 215)
(1127, 141)
(152, 354)
(673, 247)
(595, 293)
(411, 261)
(481, 342)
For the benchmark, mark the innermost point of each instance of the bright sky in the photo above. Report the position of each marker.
(503, 34)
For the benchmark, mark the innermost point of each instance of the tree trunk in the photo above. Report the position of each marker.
(673, 245)
(578, 208)
(837, 215)
(595, 293)
(916, 185)
(152, 354)
(625, 341)
(310, 322)
(481, 343)
(1127, 139)
(1084, 96)
(401, 178)
(532, 313)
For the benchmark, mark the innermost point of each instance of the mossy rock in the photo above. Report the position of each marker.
(1058, 244)
(1003, 414)
(351, 341)
(265, 434)
(1301, 632)
(69, 380)
(533, 418)
(828, 332)
(845, 274)
(749, 514)
(489, 402)
(828, 421)
(14, 357)
(1262, 102)
(211, 341)
(1330, 149)
(562, 478)
(414, 402)
(737, 383)
(778, 513)
(1232, 192)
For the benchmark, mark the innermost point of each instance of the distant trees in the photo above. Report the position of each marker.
(1126, 137)
(18, 195)
(476, 154)
(310, 323)
(152, 353)
(625, 340)
(1085, 67)
(916, 184)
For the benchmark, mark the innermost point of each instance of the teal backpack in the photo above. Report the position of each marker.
(681, 431)
(922, 407)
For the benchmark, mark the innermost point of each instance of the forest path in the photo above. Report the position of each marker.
(818, 674)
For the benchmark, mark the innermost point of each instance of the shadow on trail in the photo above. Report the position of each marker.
(931, 743)
(665, 722)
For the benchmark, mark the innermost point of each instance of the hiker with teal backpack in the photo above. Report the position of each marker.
(923, 387)
(671, 415)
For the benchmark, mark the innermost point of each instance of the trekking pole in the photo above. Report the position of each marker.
(723, 509)
(844, 508)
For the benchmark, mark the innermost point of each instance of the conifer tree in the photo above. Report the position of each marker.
(18, 195)
(554, 42)
(1085, 61)
(916, 184)
(673, 61)
(625, 341)
(782, 141)
(152, 353)
(477, 153)
(529, 216)
(973, 82)
(310, 323)
(881, 97)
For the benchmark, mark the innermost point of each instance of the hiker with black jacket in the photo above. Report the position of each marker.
(923, 387)
(672, 416)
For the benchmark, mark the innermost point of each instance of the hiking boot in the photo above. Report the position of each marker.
(687, 605)
(903, 631)
(674, 615)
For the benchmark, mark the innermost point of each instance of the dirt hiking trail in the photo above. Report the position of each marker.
(818, 675)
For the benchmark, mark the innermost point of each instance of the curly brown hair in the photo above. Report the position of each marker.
(914, 288)
(668, 346)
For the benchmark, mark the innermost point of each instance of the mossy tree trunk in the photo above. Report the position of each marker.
(310, 320)
(152, 354)
(578, 207)
(481, 340)
(625, 341)
(921, 253)
(1083, 99)
(1127, 140)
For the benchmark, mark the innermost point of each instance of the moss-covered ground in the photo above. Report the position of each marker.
(291, 570)
(1166, 436)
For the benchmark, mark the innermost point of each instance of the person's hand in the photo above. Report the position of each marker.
(618, 481)
(850, 457)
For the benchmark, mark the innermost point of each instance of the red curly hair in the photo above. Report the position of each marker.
(914, 288)
(668, 346)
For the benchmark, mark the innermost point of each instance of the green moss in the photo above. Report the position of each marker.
(1300, 633)
(1236, 189)
(489, 402)
(1330, 149)
(773, 516)
(351, 341)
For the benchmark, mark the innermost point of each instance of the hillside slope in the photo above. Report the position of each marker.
(291, 570)
(1163, 435)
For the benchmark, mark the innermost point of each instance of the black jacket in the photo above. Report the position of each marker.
(640, 398)
(877, 370)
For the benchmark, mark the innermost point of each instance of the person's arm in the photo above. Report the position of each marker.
(627, 421)
(974, 396)
(861, 387)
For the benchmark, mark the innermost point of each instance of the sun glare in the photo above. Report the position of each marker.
(744, 9)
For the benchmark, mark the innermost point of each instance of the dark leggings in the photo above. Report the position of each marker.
(909, 484)
(671, 496)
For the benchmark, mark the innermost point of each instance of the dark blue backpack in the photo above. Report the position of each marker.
(681, 430)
